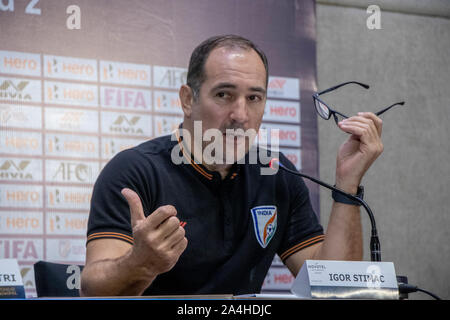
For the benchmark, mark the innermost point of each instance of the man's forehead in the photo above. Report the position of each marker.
(244, 62)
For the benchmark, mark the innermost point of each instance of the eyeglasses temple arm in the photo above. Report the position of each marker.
(342, 84)
(386, 109)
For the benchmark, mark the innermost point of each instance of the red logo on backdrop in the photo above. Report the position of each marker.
(276, 83)
(283, 111)
(288, 135)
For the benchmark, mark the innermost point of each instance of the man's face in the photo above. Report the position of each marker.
(233, 96)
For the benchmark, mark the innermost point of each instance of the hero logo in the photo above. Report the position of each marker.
(113, 146)
(165, 125)
(168, 101)
(288, 135)
(54, 93)
(56, 67)
(283, 111)
(25, 222)
(110, 72)
(124, 125)
(10, 170)
(23, 196)
(22, 143)
(67, 224)
(278, 279)
(20, 63)
(285, 278)
(69, 197)
(55, 145)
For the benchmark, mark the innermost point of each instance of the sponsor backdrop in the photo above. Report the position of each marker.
(82, 80)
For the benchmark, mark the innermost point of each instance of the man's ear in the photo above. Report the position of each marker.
(187, 99)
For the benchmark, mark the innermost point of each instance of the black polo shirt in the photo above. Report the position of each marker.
(234, 226)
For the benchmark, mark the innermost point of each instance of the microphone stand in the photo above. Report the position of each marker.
(375, 249)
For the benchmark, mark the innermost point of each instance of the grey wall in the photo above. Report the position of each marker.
(408, 186)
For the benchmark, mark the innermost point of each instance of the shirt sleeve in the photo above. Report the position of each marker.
(303, 229)
(109, 215)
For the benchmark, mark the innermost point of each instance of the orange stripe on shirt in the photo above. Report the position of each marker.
(100, 235)
(301, 246)
(196, 166)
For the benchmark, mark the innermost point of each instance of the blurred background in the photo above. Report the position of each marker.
(407, 187)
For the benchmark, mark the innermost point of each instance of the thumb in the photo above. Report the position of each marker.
(135, 204)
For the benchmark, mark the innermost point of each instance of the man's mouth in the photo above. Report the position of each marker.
(233, 137)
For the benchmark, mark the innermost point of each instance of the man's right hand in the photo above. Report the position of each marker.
(159, 240)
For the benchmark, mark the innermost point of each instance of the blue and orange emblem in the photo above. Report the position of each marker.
(264, 223)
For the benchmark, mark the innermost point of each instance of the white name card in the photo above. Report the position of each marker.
(329, 279)
(11, 284)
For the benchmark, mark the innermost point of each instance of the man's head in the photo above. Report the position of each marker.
(226, 89)
(196, 72)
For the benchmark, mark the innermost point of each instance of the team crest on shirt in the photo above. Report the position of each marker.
(264, 223)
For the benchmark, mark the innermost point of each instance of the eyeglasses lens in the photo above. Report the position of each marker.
(322, 109)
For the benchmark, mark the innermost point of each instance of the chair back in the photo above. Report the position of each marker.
(57, 280)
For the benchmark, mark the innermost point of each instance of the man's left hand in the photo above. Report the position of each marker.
(357, 154)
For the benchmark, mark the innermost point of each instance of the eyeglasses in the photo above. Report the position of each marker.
(326, 112)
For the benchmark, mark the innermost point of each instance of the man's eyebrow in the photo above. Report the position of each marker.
(227, 85)
(224, 85)
(258, 89)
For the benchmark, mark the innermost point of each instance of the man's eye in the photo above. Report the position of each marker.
(254, 98)
(222, 95)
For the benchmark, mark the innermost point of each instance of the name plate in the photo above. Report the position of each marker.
(327, 279)
(11, 284)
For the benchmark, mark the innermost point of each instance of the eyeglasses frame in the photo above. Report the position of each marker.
(334, 112)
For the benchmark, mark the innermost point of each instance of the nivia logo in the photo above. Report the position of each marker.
(15, 171)
(122, 124)
(9, 90)
(264, 223)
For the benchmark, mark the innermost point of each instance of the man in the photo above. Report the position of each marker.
(157, 227)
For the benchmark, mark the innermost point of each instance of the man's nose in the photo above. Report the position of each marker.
(239, 112)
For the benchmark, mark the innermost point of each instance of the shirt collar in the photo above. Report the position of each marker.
(200, 168)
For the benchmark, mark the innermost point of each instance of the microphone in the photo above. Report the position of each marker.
(375, 250)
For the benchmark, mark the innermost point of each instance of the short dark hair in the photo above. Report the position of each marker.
(196, 72)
